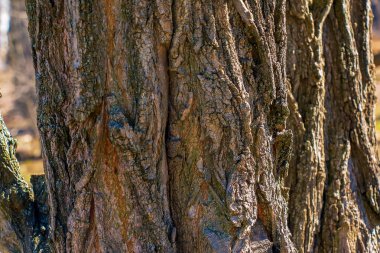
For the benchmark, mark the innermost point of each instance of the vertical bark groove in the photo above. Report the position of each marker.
(334, 177)
(219, 151)
(307, 172)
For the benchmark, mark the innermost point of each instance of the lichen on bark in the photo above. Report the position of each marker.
(19, 231)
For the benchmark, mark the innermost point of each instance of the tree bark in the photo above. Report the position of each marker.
(15, 200)
(163, 125)
(23, 214)
(334, 175)
(155, 136)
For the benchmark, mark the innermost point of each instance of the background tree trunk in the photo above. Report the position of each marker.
(163, 125)
(375, 4)
(4, 20)
(16, 200)
(19, 59)
(23, 214)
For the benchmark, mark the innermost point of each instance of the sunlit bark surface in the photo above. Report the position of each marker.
(207, 126)
(334, 172)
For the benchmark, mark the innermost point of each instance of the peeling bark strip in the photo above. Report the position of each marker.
(163, 125)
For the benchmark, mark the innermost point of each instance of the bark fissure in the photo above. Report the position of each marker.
(307, 210)
(339, 134)
(360, 172)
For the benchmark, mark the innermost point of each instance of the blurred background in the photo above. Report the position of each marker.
(376, 52)
(18, 101)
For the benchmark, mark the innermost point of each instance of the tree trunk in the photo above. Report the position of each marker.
(23, 214)
(163, 125)
(334, 173)
(15, 200)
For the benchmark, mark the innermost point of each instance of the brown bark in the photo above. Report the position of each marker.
(353, 168)
(226, 137)
(334, 175)
(128, 172)
(163, 125)
(306, 98)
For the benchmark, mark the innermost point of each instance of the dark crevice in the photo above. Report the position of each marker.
(172, 232)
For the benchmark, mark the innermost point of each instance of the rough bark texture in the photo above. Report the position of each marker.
(305, 65)
(128, 172)
(163, 125)
(227, 146)
(22, 215)
(334, 173)
(353, 186)
(15, 199)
